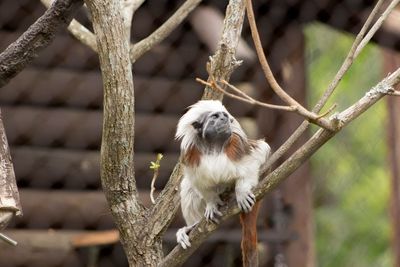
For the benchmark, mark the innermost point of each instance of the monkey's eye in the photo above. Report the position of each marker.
(197, 125)
(231, 120)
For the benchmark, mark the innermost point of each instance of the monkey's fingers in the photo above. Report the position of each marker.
(182, 238)
(211, 213)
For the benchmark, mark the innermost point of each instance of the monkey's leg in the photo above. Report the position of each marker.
(182, 236)
(212, 201)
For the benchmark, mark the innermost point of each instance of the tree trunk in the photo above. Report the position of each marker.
(117, 171)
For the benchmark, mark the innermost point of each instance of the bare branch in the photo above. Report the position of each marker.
(267, 184)
(117, 146)
(163, 31)
(8, 240)
(79, 31)
(376, 26)
(246, 99)
(222, 64)
(311, 116)
(286, 108)
(332, 86)
(155, 166)
(38, 36)
(394, 93)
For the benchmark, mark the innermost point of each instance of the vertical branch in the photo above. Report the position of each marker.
(116, 160)
(224, 62)
(9, 197)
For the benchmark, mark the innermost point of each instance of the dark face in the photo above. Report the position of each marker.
(214, 128)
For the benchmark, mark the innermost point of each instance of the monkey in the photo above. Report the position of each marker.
(216, 155)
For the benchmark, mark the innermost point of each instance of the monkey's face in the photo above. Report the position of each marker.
(214, 127)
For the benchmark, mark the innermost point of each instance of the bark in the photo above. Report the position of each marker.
(20, 53)
(116, 160)
(9, 197)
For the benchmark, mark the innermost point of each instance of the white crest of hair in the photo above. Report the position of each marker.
(185, 129)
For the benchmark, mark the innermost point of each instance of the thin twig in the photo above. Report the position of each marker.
(351, 56)
(376, 26)
(248, 99)
(163, 31)
(8, 240)
(394, 93)
(237, 90)
(316, 119)
(311, 116)
(155, 166)
(329, 91)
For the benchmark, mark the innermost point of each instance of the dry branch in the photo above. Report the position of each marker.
(78, 30)
(117, 171)
(163, 31)
(38, 36)
(311, 116)
(351, 56)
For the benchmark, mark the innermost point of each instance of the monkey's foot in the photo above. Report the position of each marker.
(212, 212)
(245, 200)
(182, 236)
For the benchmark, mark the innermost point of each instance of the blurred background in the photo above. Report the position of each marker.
(339, 209)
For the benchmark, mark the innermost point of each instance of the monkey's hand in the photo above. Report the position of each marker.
(245, 200)
(212, 211)
(182, 236)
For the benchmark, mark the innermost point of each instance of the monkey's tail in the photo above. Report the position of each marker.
(249, 236)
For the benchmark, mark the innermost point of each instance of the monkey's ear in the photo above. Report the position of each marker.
(197, 125)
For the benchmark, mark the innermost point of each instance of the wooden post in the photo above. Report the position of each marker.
(392, 61)
(9, 198)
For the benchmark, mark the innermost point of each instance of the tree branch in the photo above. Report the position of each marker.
(270, 181)
(351, 56)
(246, 98)
(311, 116)
(223, 62)
(117, 147)
(79, 31)
(163, 31)
(38, 36)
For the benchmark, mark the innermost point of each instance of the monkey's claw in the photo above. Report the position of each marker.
(245, 200)
(182, 236)
(212, 212)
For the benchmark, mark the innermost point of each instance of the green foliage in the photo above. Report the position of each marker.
(350, 172)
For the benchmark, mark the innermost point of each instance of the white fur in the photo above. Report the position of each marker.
(202, 184)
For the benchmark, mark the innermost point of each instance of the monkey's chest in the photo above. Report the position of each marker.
(215, 171)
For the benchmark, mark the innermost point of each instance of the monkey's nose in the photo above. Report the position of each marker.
(221, 116)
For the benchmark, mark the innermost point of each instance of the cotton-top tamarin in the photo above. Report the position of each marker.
(216, 154)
